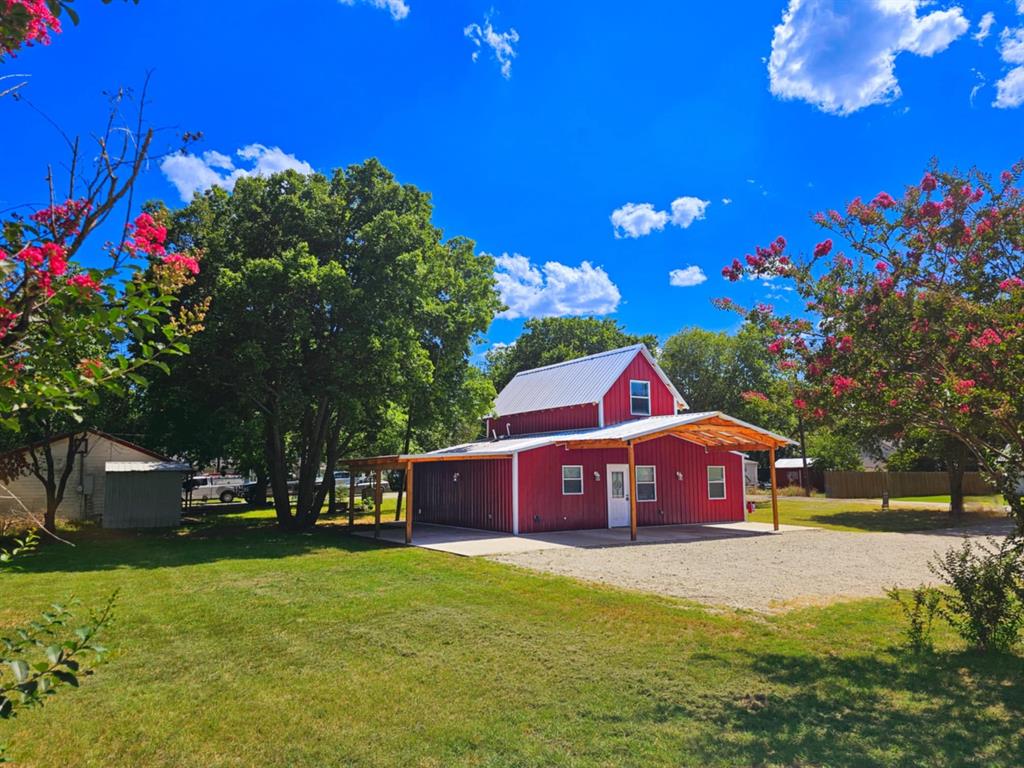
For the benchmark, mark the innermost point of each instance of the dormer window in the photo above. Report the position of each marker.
(640, 398)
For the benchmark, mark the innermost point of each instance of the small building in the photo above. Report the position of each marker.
(790, 472)
(602, 441)
(143, 494)
(85, 497)
(750, 473)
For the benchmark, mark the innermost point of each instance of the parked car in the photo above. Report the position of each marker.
(207, 487)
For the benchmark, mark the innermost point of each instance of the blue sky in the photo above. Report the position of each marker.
(782, 107)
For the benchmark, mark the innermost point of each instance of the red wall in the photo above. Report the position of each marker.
(551, 420)
(481, 498)
(685, 501)
(616, 400)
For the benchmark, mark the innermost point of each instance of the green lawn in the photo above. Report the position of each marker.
(994, 501)
(235, 645)
(841, 515)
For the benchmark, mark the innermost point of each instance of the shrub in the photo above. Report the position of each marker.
(919, 609)
(985, 606)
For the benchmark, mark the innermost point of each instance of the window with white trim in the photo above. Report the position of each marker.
(639, 398)
(572, 480)
(716, 482)
(646, 483)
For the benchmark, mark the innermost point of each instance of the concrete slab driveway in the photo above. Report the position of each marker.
(476, 543)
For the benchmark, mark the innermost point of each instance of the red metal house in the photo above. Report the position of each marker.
(600, 441)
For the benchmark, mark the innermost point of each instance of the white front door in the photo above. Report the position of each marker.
(618, 495)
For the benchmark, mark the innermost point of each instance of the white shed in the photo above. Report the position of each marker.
(86, 489)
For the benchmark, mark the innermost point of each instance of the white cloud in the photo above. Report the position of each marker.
(686, 210)
(985, 26)
(502, 44)
(1010, 89)
(637, 220)
(192, 173)
(687, 277)
(640, 219)
(397, 8)
(840, 56)
(726, 201)
(554, 289)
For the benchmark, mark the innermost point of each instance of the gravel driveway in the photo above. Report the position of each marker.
(769, 573)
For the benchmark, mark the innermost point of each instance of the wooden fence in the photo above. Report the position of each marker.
(869, 485)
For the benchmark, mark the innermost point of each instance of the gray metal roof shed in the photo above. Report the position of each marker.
(143, 494)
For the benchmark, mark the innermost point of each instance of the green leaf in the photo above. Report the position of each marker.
(66, 677)
(54, 654)
(20, 670)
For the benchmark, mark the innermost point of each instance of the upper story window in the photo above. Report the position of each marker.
(640, 398)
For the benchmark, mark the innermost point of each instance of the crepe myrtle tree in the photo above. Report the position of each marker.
(64, 327)
(31, 22)
(918, 321)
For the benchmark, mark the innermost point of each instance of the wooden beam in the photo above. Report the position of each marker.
(408, 503)
(376, 505)
(585, 444)
(775, 491)
(632, 490)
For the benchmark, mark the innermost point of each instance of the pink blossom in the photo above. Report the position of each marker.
(823, 248)
(881, 266)
(931, 210)
(1006, 177)
(987, 338)
(777, 346)
(883, 200)
(929, 183)
(31, 255)
(799, 403)
(55, 256)
(1011, 283)
(751, 395)
(182, 262)
(83, 282)
(841, 385)
(963, 386)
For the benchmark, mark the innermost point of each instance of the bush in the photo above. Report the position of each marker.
(920, 610)
(985, 606)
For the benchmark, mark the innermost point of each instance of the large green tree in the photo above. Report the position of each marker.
(331, 301)
(549, 340)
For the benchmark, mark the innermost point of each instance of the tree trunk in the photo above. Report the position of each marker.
(803, 455)
(955, 462)
(277, 466)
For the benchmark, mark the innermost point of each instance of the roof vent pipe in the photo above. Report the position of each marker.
(508, 429)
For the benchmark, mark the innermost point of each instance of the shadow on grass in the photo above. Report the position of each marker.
(955, 709)
(204, 539)
(915, 521)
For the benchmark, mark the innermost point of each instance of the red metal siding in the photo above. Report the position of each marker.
(616, 401)
(686, 500)
(551, 420)
(480, 498)
(542, 507)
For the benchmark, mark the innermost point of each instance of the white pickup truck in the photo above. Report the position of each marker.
(208, 487)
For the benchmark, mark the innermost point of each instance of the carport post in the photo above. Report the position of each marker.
(775, 492)
(408, 503)
(351, 497)
(376, 506)
(632, 491)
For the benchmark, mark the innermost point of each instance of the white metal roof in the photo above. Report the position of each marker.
(575, 382)
(627, 430)
(146, 466)
(796, 463)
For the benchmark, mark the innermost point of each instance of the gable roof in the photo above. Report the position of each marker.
(582, 381)
(91, 431)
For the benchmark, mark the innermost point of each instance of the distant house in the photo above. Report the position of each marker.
(598, 442)
(790, 472)
(150, 480)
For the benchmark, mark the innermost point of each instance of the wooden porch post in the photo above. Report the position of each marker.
(632, 491)
(376, 505)
(775, 492)
(351, 497)
(408, 503)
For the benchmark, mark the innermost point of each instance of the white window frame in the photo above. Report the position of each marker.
(725, 488)
(631, 396)
(573, 479)
(654, 482)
